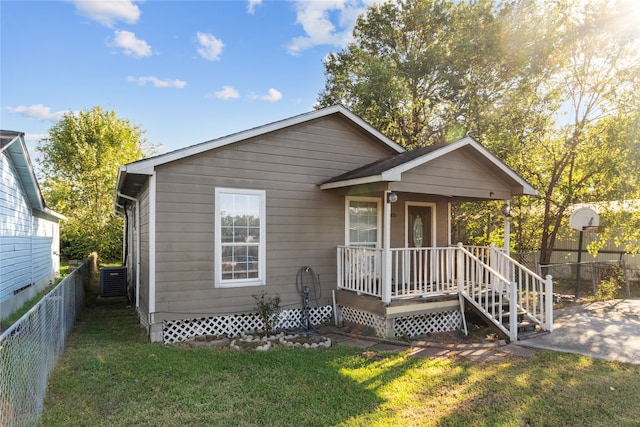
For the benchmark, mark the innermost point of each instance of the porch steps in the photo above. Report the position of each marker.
(526, 327)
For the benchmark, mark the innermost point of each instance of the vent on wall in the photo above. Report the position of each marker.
(113, 281)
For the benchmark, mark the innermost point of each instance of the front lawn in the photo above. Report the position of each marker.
(110, 375)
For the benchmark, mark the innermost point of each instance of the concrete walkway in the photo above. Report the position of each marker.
(606, 330)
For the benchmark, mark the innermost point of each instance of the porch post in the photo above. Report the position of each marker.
(386, 251)
(506, 211)
(548, 299)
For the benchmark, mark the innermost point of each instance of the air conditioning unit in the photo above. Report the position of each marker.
(113, 281)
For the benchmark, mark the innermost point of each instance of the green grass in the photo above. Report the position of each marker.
(28, 305)
(111, 376)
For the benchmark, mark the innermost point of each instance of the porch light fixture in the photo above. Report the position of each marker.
(392, 197)
(506, 210)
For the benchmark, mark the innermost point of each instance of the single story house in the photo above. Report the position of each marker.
(29, 231)
(324, 194)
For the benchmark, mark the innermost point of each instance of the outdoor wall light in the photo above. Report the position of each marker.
(392, 197)
(506, 210)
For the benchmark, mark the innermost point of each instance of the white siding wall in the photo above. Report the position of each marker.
(28, 245)
(15, 230)
(44, 250)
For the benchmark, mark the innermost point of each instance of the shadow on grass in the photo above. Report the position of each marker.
(111, 375)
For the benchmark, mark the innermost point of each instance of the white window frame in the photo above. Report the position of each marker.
(261, 279)
(347, 217)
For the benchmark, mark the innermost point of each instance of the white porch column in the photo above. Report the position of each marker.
(386, 250)
(506, 211)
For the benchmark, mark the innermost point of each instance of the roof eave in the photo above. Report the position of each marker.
(356, 181)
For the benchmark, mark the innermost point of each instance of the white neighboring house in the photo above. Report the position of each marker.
(29, 231)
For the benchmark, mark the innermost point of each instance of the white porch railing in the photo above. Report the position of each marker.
(486, 276)
(414, 271)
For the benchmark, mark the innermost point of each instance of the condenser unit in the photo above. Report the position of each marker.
(113, 281)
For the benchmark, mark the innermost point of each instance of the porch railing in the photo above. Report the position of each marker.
(414, 271)
(486, 276)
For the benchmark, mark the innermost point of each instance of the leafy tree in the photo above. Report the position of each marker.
(79, 162)
(581, 151)
(549, 87)
(416, 68)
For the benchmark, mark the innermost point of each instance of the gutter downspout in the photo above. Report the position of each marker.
(124, 196)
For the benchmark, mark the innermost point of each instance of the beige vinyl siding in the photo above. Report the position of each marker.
(455, 174)
(303, 223)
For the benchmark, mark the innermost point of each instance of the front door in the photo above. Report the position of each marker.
(419, 235)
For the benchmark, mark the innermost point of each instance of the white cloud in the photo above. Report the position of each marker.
(273, 96)
(37, 112)
(210, 46)
(326, 22)
(132, 46)
(227, 92)
(251, 7)
(107, 12)
(143, 80)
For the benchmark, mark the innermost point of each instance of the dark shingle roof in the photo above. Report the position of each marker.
(388, 163)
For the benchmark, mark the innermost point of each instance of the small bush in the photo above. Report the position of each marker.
(611, 287)
(268, 309)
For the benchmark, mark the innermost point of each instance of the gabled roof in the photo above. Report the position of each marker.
(13, 144)
(391, 168)
(132, 176)
(146, 166)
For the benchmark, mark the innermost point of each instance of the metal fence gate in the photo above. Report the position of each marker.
(30, 348)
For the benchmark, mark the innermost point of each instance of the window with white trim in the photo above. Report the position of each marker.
(363, 221)
(240, 237)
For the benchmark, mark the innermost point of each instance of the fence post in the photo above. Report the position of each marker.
(625, 276)
(549, 303)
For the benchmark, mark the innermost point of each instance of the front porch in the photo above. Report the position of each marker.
(398, 261)
(384, 285)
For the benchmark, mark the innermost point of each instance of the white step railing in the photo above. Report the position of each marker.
(534, 293)
(486, 289)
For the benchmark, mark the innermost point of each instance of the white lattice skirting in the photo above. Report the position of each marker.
(410, 326)
(174, 331)
(428, 323)
(363, 318)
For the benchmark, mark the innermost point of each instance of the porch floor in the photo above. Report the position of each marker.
(408, 306)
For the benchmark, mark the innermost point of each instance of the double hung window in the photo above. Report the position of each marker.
(363, 222)
(240, 237)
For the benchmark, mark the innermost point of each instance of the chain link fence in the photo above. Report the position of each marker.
(597, 279)
(30, 348)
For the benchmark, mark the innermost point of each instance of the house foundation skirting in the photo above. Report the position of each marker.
(174, 331)
(410, 326)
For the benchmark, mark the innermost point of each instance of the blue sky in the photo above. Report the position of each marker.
(184, 71)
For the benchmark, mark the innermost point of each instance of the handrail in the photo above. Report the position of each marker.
(534, 293)
(487, 289)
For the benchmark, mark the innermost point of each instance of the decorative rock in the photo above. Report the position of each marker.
(264, 347)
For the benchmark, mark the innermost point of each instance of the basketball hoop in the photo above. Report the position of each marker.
(584, 219)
